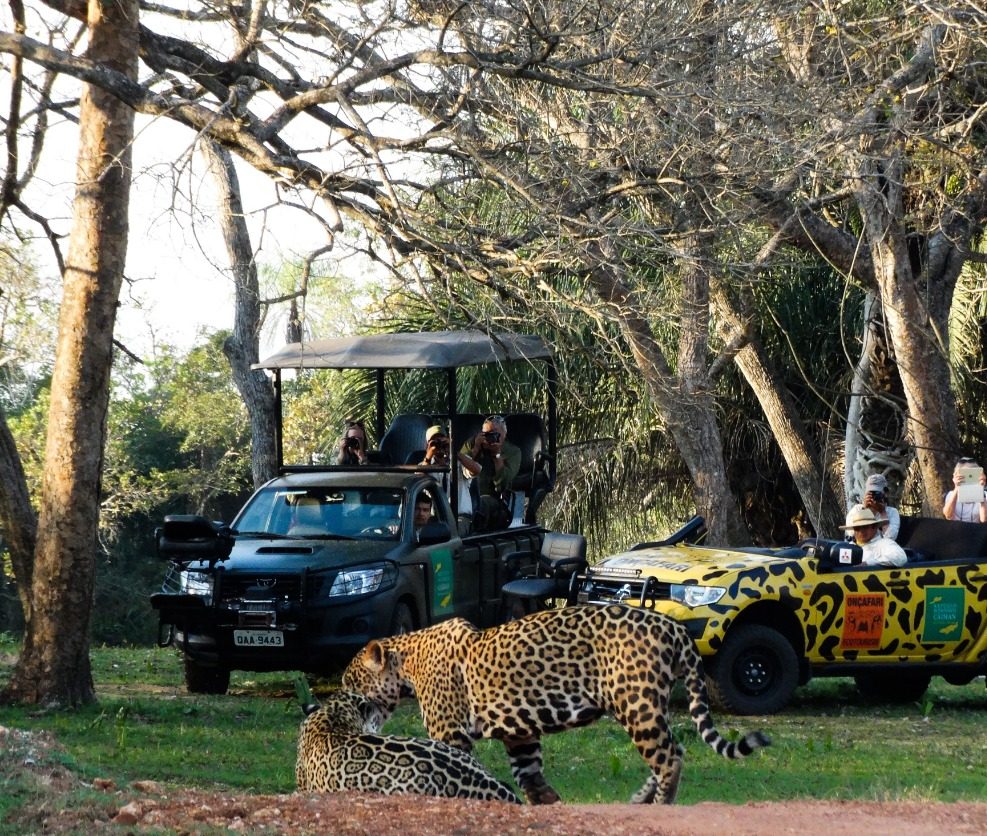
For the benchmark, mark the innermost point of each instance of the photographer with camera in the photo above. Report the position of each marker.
(436, 447)
(876, 501)
(353, 447)
(492, 462)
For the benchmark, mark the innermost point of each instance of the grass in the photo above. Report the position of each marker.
(825, 745)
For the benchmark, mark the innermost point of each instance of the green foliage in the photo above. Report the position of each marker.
(827, 744)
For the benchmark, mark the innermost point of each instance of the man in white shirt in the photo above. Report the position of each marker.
(878, 550)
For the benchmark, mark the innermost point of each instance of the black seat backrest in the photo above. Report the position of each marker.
(405, 434)
(562, 554)
(526, 430)
(939, 539)
(464, 426)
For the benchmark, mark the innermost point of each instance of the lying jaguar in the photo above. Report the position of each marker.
(550, 671)
(338, 749)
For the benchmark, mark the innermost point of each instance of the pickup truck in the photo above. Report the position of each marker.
(322, 559)
(767, 620)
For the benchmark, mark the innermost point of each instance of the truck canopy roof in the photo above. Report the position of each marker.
(431, 350)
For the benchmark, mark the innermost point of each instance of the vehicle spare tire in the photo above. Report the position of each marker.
(756, 671)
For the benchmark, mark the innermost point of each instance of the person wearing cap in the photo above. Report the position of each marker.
(876, 499)
(964, 511)
(437, 454)
(866, 530)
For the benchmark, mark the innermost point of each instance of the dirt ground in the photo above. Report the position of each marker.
(146, 807)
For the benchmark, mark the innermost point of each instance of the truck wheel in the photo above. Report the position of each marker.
(403, 620)
(892, 686)
(200, 679)
(755, 672)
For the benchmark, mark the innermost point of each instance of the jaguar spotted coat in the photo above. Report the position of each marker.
(338, 749)
(545, 673)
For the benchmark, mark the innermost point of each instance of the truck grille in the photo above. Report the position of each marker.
(255, 588)
(610, 589)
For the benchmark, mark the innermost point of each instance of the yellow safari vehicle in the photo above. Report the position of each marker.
(767, 620)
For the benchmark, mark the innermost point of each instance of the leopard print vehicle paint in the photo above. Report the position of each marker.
(338, 749)
(545, 673)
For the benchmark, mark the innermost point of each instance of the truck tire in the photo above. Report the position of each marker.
(403, 620)
(202, 679)
(892, 686)
(756, 671)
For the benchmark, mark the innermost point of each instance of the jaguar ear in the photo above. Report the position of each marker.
(375, 657)
(311, 708)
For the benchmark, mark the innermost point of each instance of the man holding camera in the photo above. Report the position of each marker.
(492, 462)
(876, 500)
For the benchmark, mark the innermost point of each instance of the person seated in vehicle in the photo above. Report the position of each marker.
(437, 454)
(876, 499)
(491, 462)
(954, 508)
(877, 550)
(353, 447)
(423, 512)
(306, 518)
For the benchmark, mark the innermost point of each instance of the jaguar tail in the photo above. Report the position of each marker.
(691, 666)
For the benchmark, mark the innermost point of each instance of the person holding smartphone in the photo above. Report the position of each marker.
(492, 462)
(954, 508)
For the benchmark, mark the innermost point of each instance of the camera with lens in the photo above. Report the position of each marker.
(493, 437)
(352, 442)
(877, 496)
(441, 442)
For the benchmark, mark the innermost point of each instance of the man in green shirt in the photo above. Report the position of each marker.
(492, 462)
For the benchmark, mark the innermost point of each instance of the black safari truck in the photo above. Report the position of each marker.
(324, 558)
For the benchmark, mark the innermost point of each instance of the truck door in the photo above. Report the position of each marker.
(452, 569)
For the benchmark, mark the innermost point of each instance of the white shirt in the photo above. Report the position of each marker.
(964, 511)
(883, 552)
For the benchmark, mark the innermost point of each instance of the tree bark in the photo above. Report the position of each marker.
(54, 668)
(242, 349)
(824, 510)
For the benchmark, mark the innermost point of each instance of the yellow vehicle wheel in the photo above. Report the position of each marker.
(755, 672)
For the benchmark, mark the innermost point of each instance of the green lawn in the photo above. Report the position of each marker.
(826, 745)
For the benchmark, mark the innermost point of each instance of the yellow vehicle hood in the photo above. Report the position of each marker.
(679, 564)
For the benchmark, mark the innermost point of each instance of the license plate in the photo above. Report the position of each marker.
(258, 638)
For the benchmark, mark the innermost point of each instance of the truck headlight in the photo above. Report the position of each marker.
(197, 583)
(696, 596)
(361, 581)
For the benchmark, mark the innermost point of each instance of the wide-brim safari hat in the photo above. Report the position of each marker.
(859, 517)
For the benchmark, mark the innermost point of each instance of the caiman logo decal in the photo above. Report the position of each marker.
(863, 622)
(944, 607)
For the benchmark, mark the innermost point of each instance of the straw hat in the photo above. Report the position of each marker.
(860, 517)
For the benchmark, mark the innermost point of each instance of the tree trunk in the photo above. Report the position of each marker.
(20, 523)
(243, 347)
(876, 431)
(824, 510)
(54, 668)
(688, 408)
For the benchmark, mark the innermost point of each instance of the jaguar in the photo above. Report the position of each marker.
(339, 749)
(544, 673)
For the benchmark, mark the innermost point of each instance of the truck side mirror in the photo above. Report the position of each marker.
(434, 532)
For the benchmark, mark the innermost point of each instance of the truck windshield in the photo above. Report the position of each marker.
(322, 513)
